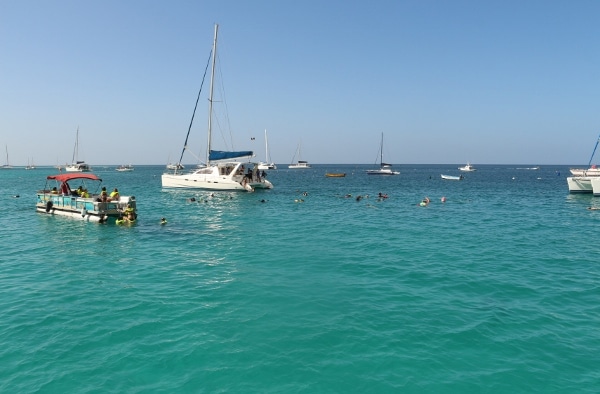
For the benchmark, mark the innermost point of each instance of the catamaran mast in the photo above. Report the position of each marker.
(76, 148)
(591, 158)
(381, 152)
(210, 97)
(267, 159)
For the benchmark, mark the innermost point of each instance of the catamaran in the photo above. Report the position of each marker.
(222, 171)
(592, 170)
(268, 163)
(384, 168)
(76, 164)
(300, 164)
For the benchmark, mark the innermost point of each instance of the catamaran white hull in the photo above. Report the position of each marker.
(581, 184)
(595, 181)
(228, 176)
(582, 172)
(193, 181)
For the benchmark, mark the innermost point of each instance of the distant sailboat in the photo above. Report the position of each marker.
(384, 168)
(268, 163)
(6, 165)
(77, 165)
(30, 165)
(300, 164)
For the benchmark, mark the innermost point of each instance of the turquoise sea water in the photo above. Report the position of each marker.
(497, 290)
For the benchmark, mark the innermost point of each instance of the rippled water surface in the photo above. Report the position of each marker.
(496, 290)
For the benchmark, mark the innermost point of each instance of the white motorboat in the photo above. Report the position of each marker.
(384, 168)
(125, 168)
(222, 171)
(467, 168)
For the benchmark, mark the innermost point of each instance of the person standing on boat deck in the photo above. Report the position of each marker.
(114, 195)
(64, 189)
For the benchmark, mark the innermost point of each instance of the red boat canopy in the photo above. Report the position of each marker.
(68, 177)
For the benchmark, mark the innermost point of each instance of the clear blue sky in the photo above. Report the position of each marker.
(490, 82)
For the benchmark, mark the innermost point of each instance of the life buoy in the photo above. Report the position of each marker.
(49, 206)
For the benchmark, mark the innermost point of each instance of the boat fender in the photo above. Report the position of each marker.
(49, 206)
(83, 212)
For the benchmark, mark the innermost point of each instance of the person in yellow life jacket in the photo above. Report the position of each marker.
(54, 191)
(114, 195)
(79, 191)
(129, 213)
(84, 194)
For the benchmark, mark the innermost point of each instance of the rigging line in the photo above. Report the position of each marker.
(195, 107)
(226, 126)
(594, 151)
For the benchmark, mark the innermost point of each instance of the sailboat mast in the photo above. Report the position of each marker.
(210, 97)
(591, 158)
(381, 151)
(267, 160)
(76, 148)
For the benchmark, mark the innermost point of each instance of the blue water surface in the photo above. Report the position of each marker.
(312, 290)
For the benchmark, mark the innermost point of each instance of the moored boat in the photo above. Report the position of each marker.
(125, 168)
(7, 165)
(384, 168)
(64, 199)
(580, 184)
(592, 170)
(268, 164)
(222, 170)
(300, 164)
(335, 174)
(452, 177)
(76, 164)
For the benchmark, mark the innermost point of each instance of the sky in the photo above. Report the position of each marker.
(445, 82)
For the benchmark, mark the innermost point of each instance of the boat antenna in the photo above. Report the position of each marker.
(195, 107)
(598, 140)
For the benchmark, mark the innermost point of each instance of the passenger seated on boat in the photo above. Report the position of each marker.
(54, 191)
(84, 194)
(79, 190)
(114, 195)
(103, 195)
